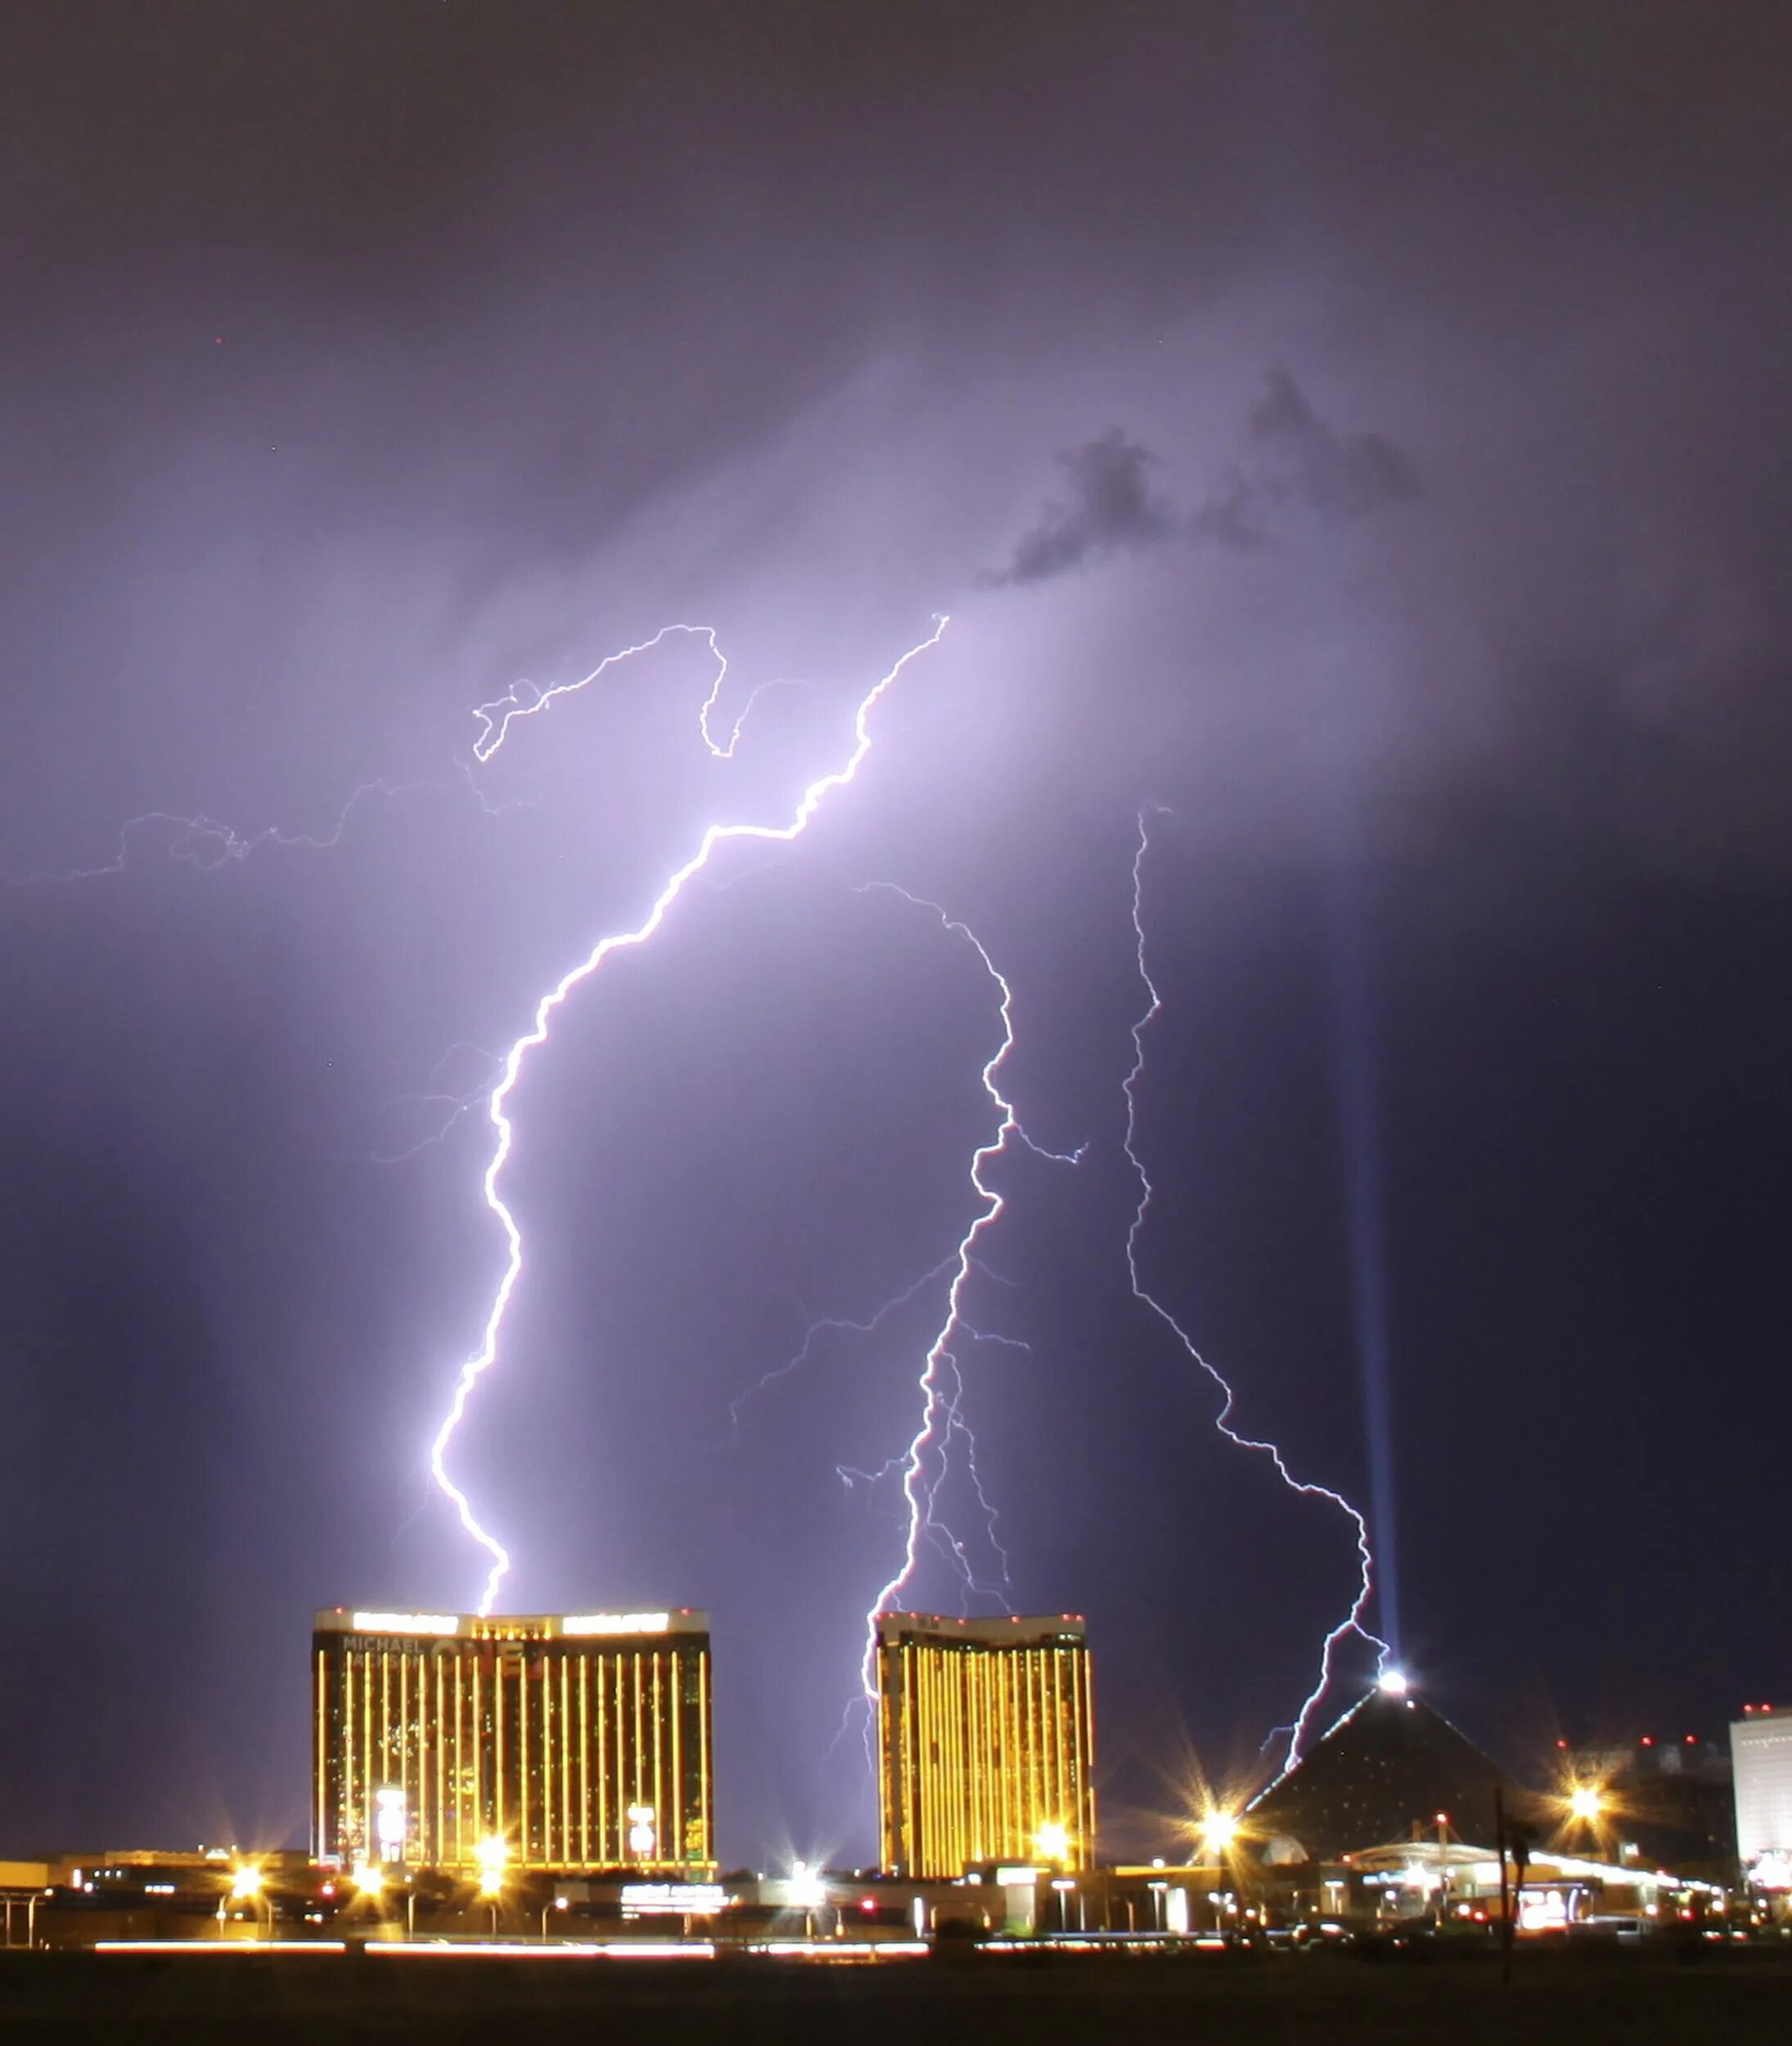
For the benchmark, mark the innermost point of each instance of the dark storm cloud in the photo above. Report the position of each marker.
(1292, 455)
(1342, 475)
(1111, 510)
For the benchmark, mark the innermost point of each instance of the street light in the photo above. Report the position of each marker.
(558, 1905)
(491, 1854)
(1051, 1842)
(806, 1892)
(246, 1887)
(1585, 1804)
(1220, 1833)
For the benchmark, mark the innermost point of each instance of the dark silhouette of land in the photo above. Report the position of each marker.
(1034, 2000)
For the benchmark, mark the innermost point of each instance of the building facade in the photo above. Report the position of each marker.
(1761, 1756)
(987, 1729)
(581, 1741)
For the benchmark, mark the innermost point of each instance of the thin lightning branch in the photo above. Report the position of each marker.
(449, 1106)
(828, 1325)
(498, 1107)
(924, 1463)
(204, 843)
(496, 717)
(843, 1324)
(1352, 1621)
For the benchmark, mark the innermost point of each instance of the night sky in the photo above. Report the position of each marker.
(1360, 430)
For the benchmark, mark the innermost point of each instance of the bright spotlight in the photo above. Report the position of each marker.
(1219, 1831)
(368, 1877)
(1585, 1804)
(806, 1890)
(1391, 1683)
(244, 1882)
(491, 1854)
(1052, 1842)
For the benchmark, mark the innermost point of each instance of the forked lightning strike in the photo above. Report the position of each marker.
(924, 1464)
(1352, 1621)
(494, 728)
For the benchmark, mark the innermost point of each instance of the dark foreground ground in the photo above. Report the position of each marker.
(1279, 2000)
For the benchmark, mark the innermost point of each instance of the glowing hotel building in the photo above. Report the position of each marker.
(987, 1728)
(582, 1740)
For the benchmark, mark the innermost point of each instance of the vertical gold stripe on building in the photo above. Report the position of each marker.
(680, 1813)
(498, 1812)
(584, 1756)
(565, 1757)
(344, 1811)
(703, 1752)
(604, 1720)
(319, 1788)
(636, 1786)
(658, 1801)
(477, 1731)
(382, 1774)
(364, 1781)
(524, 1805)
(402, 1739)
(443, 1661)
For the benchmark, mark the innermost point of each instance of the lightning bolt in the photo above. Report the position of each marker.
(925, 1463)
(1352, 1622)
(495, 721)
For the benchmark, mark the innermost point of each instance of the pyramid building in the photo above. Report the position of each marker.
(1389, 1768)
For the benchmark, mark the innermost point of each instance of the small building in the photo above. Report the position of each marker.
(1442, 1881)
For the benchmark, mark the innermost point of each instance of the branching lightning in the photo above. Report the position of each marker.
(1352, 1622)
(496, 719)
(204, 843)
(834, 1324)
(925, 1462)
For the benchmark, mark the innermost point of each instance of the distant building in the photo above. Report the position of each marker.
(1761, 1753)
(581, 1741)
(1668, 1802)
(987, 1734)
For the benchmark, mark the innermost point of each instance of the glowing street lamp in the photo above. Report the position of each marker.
(369, 1880)
(806, 1892)
(1051, 1842)
(246, 1887)
(1585, 1804)
(1219, 1833)
(491, 1854)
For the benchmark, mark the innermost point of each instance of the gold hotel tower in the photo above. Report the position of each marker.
(987, 1728)
(582, 1740)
